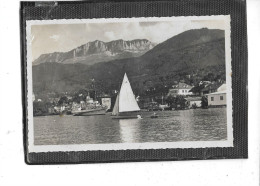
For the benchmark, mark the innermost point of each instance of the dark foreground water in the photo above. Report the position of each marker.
(170, 126)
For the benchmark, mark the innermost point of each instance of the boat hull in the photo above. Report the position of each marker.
(124, 117)
(89, 112)
(127, 115)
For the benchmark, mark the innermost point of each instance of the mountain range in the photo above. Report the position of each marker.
(98, 51)
(193, 52)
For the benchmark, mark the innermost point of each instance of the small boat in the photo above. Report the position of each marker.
(126, 106)
(154, 115)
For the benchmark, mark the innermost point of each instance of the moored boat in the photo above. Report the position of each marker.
(89, 112)
(88, 108)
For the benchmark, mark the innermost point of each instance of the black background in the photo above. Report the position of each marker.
(124, 9)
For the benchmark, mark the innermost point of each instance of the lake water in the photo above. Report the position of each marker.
(170, 126)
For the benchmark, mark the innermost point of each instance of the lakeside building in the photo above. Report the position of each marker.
(218, 98)
(193, 102)
(106, 102)
(180, 89)
(89, 100)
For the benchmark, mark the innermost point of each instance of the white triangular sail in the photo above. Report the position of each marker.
(127, 102)
(116, 106)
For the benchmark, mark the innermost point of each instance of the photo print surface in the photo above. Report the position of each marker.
(129, 83)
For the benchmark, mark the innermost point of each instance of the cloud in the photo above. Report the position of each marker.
(110, 35)
(55, 37)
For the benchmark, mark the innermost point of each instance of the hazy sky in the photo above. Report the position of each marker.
(64, 37)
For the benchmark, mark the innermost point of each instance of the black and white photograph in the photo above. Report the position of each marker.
(129, 83)
(126, 92)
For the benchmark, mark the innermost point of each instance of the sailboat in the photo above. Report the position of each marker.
(125, 106)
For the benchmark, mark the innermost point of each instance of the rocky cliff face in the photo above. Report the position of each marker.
(99, 51)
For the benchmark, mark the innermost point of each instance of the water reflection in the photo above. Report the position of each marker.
(187, 124)
(129, 130)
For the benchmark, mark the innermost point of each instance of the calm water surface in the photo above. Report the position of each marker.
(170, 126)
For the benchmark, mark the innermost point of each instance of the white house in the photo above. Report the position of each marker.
(217, 99)
(106, 102)
(180, 89)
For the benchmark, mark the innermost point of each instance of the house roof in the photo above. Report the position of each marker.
(181, 86)
(213, 86)
(215, 93)
(193, 98)
(197, 88)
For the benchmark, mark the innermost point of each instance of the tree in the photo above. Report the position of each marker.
(178, 102)
(204, 102)
(169, 100)
(39, 108)
(194, 106)
(181, 102)
(63, 100)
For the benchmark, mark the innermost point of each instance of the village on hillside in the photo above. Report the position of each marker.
(180, 96)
